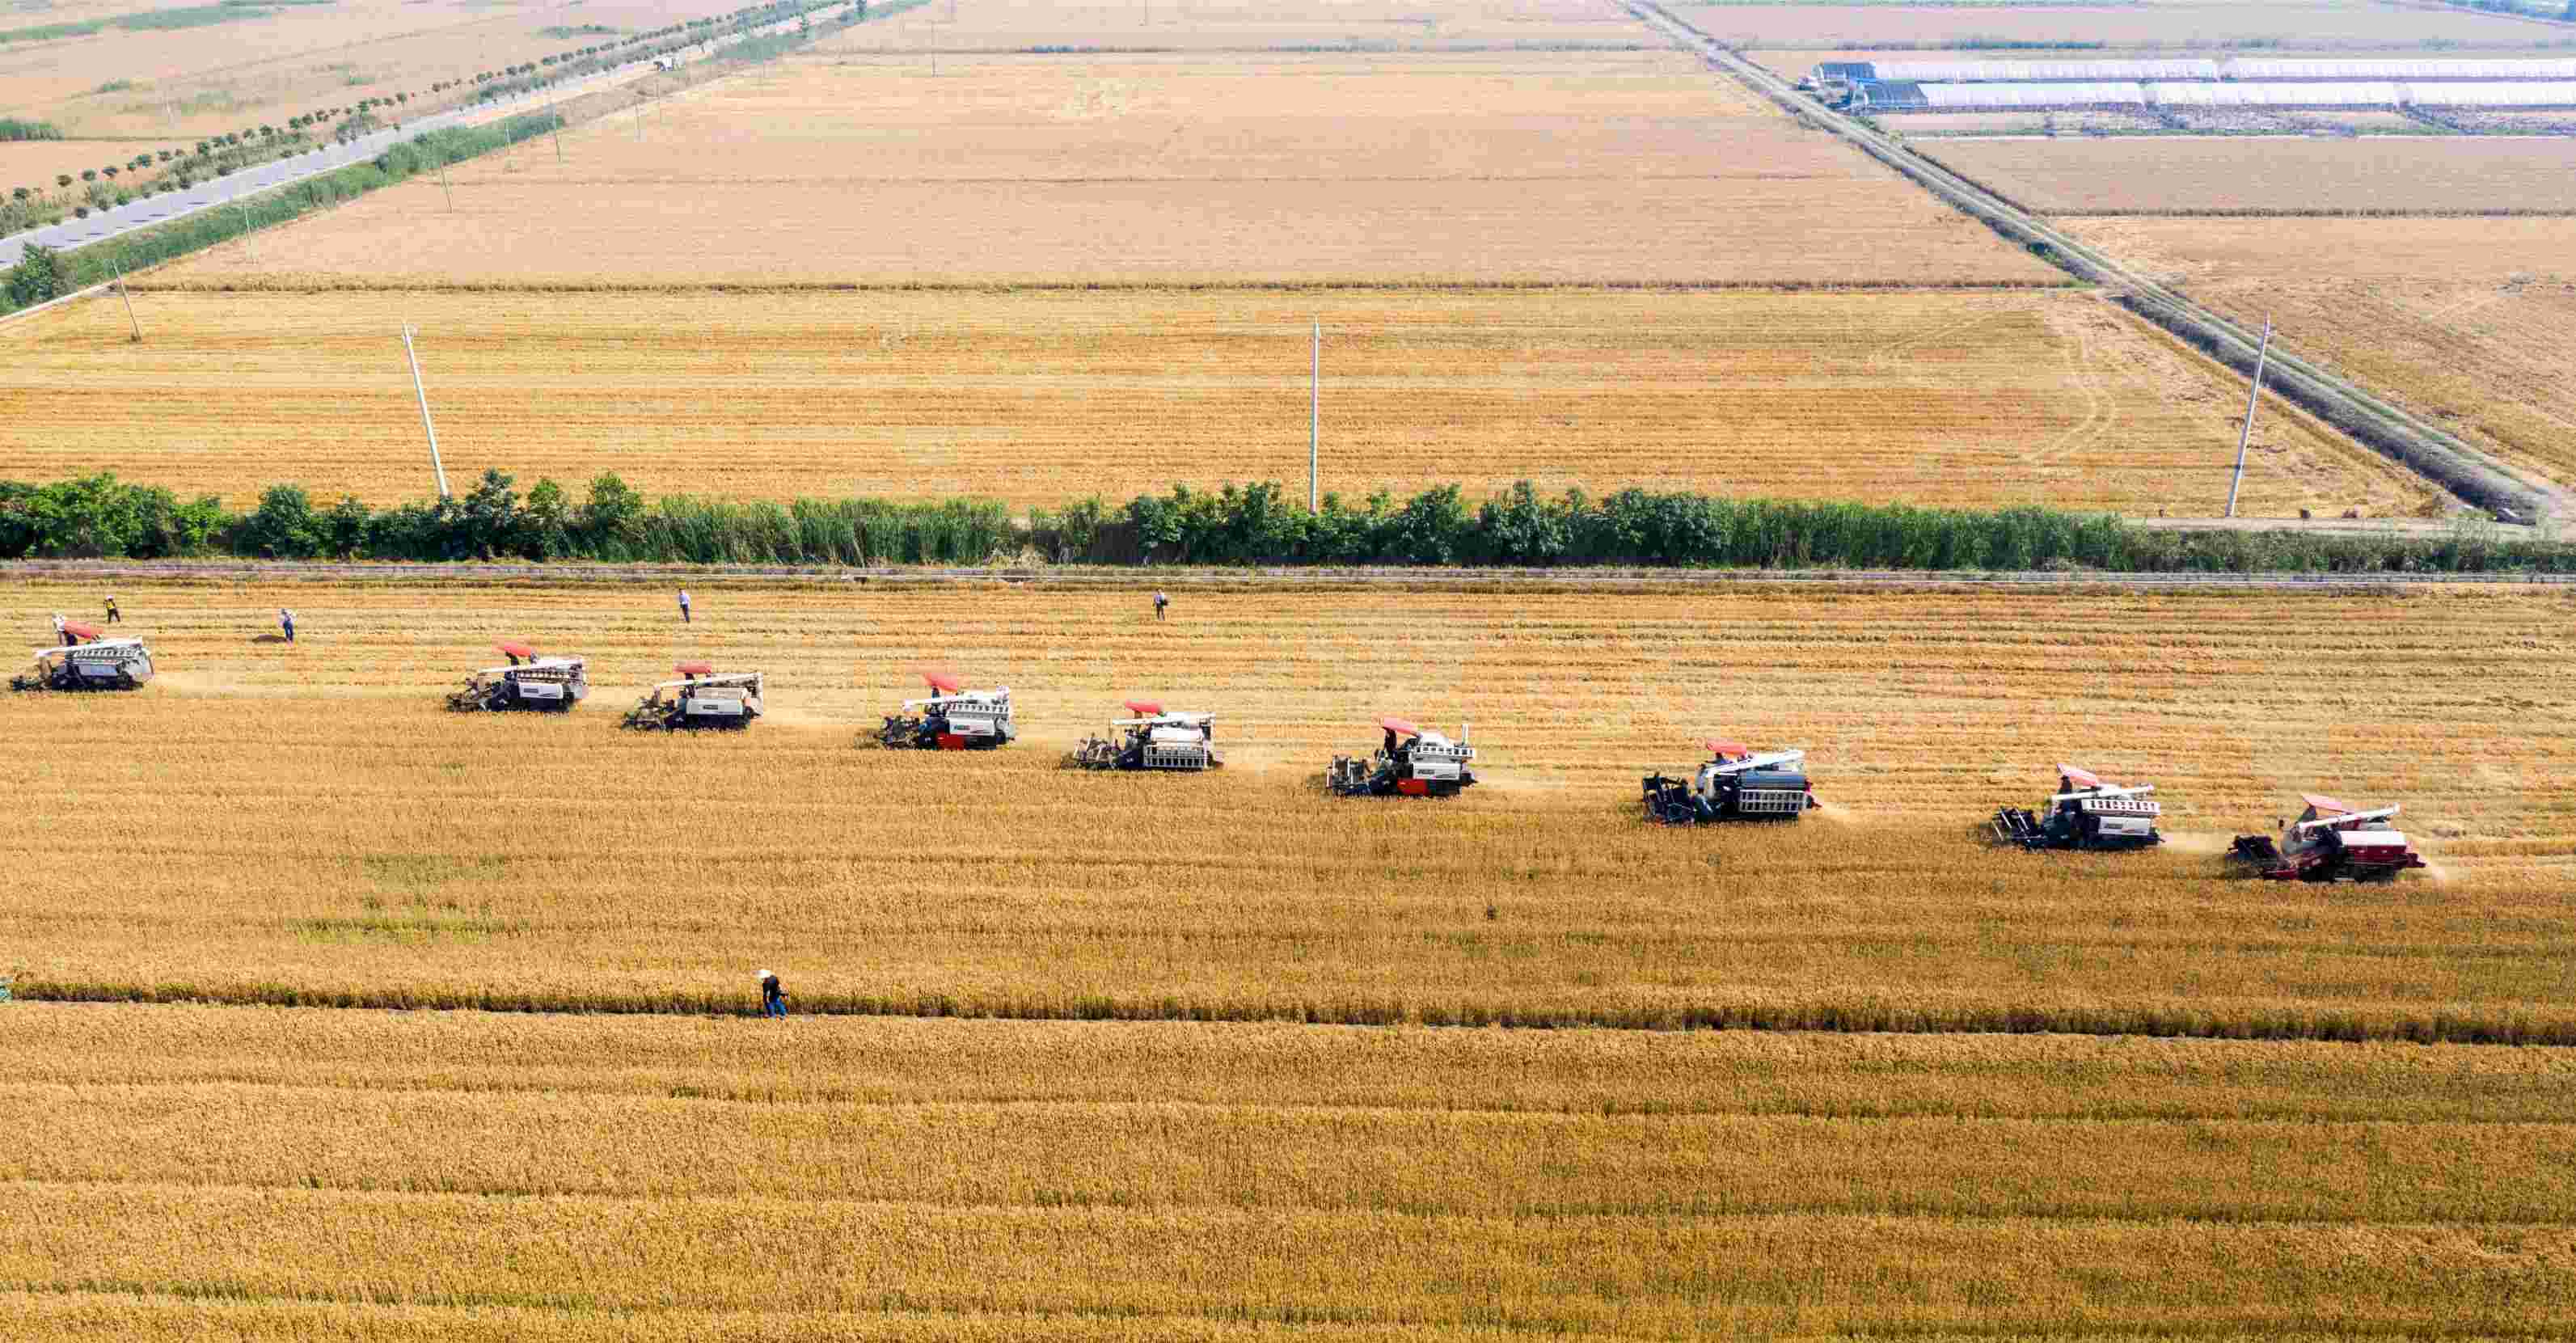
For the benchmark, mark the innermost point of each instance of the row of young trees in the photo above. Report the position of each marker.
(101, 517)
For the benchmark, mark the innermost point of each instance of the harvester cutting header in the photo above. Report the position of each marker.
(1413, 762)
(702, 697)
(548, 684)
(1736, 784)
(91, 661)
(2084, 813)
(953, 719)
(2330, 841)
(1154, 738)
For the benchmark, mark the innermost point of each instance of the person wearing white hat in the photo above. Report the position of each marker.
(61, 631)
(773, 1000)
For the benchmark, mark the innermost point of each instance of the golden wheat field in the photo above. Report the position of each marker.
(1797, 36)
(1309, 169)
(1043, 398)
(2383, 174)
(472, 1176)
(306, 823)
(2471, 322)
(1248, 25)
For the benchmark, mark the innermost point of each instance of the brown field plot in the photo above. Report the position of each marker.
(2471, 322)
(2380, 175)
(306, 823)
(1791, 38)
(232, 1173)
(1251, 25)
(1562, 167)
(1043, 398)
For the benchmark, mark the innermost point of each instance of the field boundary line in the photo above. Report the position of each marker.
(1144, 576)
(2459, 468)
(1147, 287)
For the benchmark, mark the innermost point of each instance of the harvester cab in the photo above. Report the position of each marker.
(91, 662)
(951, 719)
(1736, 784)
(2330, 842)
(548, 684)
(2084, 813)
(702, 697)
(1154, 738)
(1412, 762)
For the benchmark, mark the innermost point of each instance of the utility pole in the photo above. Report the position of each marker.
(444, 187)
(2246, 435)
(123, 293)
(1315, 424)
(244, 208)
(558, 125)
(425, 423)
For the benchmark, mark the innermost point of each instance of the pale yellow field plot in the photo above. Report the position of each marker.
(1620, 166)
(1249, 25)
(1794, 36)
(2190, 176)
(469, 1176)
(308, 822)
(1043, 398)
(2471, 322)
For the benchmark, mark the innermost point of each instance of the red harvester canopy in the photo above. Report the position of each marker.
(945, 683)
(696, 669)
(84, 633)
(2080, 777)
(1719, 746)
(515, 650)
(2325, 806)
(1143, 707)
(1393, 724)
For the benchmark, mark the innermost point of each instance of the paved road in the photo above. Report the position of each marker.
(332, 156)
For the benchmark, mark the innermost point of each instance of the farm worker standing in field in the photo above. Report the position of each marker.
(112, 617)
(684, 607)
(61, 631)
(773, 999)
(1160, 601)
(286, 621)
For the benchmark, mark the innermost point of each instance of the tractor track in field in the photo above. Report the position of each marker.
(1074, 577)
(2459, 468)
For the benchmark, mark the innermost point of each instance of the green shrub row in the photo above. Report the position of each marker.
(102, 517)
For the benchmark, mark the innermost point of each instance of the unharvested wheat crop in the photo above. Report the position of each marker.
(462, 1175)
(1796, 36)
(1041, 398)
(2422, 174)
(2471, 322)
(1626, 166)
(304, 823)
(1249, 25)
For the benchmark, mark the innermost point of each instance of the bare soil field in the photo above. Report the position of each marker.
(2471, 322)
(2022, 123)
(1072, 171)
(2200, 176)
(34, 163)
(307, 818)
(401, 1175)
(188, 82)
(1044, 397)
(1791, 38)
(1251, 25)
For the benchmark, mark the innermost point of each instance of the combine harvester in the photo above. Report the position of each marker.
(1735, 785)
(549, 685)
(1412, 763)
(702, 697)
(95, 662)
(1155, 738)
(2085, 813)
(955, 719)
(2330, 842)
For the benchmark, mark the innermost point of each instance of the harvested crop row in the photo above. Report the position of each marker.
(304, 824)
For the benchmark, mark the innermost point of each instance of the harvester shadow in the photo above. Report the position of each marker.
(268, 639)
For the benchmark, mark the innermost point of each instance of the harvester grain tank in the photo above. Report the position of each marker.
(951, 719)
(543, 684)
(91, 662)
(1413, 762)
(1736, 784)
(2330, 841)
(2084, 813)
(702, 697)
(1154, 738)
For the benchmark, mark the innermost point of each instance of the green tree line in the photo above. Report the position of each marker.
(103, 517)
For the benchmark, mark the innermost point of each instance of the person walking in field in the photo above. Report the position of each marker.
(773, 999)
(62, 630)
(113, 617)
(286, 621)
(1160, 601)
(684, 607)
